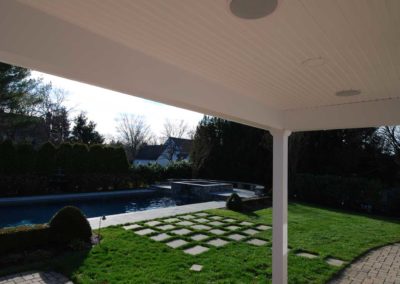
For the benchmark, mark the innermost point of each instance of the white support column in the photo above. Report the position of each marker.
(279, 206)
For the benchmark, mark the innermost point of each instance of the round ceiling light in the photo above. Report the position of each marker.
(348, 93)
(252, 9)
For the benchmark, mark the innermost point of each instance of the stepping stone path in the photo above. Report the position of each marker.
(201, 227)
(307, 255)
(196, 250)
(166, 227)
(202, 230)
(196, 267)
(35, 277)
(132, 227)
(172, 220)
(153, 223)
(216, 217)
(181, 232)
(378, 266)
(250, 232)
(217, 242)
(217, 232)
(187, 217)
(161, 237)
(216, 223)
(144, 232)
(256, 242)
(246, 224)
(199, 237)
(236, 237)
(177, 243)
(184, 223)
(263, 227)
(232, 228)
(334, 262)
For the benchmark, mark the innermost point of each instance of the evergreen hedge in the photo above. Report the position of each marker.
(70, 158)
(355, 193)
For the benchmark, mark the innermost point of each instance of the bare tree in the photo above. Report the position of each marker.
(391, 140)
(133, 133)
(177, 128)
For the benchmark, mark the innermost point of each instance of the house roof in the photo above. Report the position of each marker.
(149, 152)
(184, 145)
(277, 72)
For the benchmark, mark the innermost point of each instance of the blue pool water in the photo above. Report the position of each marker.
(38, 213)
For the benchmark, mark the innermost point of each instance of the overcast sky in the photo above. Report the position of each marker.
(103, 106)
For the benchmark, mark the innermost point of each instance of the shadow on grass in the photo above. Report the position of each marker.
(65, 263)
(390, 219)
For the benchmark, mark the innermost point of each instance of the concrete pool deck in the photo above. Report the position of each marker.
(138, 216)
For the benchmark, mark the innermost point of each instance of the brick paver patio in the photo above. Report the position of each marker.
(378, 266)
(35, 277)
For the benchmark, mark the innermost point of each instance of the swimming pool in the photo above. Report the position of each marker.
(41, 212)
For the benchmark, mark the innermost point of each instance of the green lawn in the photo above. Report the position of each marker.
(125, 257)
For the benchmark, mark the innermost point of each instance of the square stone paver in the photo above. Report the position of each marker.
(177, 243)
(229, 220)
(202, 214)
(256, 242)
(144, 232)
(196, 250)
(187, 217)
(181, 232)
(246, 223)
(232, 228)
(236, 237)
(171, 220)
(184, 223)
(161, 237)
(263, 227)
(307, 255)
(216, 223)
(217, 242)
(216, 217)
(334, 261)
(166, 227)
(196, 267)
(199, 237)
(152, 223)
(201, 227)
(132, 227)
(201, 220)
(250, 232)
(217, 232)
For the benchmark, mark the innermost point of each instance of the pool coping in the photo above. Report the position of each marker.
(119, 219)
(71, 196)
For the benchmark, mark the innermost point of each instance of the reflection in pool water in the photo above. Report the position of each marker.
(37, 213)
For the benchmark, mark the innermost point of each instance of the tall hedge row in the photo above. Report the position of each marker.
(70, 158)
(354, 193)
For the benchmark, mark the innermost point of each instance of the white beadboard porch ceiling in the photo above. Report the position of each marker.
(265, 62)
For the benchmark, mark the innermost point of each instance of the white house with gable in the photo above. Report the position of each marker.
(173, 150)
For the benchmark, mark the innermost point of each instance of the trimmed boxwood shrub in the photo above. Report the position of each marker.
(234, 202)
(23, 237)
(69, 224)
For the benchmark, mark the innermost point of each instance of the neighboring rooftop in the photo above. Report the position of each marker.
(149, 152)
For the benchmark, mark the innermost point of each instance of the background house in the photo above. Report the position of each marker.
(174, 149)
